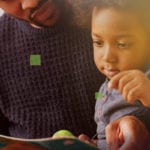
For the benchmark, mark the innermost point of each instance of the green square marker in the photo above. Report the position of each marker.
(35, 60)
(98, 95)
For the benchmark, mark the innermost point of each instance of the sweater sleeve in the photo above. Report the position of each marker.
(3, 124)
(143, 114)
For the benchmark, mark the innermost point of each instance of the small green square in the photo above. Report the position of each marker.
(98, 95)
(35, 60)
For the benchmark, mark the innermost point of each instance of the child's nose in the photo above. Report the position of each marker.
(109, 55)
(29, 4)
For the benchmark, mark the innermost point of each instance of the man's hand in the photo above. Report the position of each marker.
(127, 133)
(22, 146)
(133, 85)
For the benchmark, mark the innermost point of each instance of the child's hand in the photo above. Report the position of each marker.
(87, 140)
(132, 84)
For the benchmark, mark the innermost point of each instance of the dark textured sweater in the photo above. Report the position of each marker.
(36, 101)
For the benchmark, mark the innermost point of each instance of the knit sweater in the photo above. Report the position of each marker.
(38, 100)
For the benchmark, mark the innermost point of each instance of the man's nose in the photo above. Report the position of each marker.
(109, 55)
(29, 4)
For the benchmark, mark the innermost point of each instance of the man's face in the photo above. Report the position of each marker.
(36, 12)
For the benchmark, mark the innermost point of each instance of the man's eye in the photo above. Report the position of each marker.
(123, 45)
(98, 43)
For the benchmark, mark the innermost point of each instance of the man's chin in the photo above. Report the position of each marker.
(44, 24)
(35, 24)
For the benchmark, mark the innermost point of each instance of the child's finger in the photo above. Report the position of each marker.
(128, 88)
(133, 94)
(124, 80)
(114, 82)
(84, 138)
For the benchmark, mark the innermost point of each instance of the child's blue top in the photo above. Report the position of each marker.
(112, 106)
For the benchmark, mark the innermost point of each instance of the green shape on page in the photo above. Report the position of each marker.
(98, 95)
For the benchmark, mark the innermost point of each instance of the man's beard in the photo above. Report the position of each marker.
(30, 19)
(58, 3)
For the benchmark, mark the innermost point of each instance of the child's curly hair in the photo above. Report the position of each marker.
(83, 9)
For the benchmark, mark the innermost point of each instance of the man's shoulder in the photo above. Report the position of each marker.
(5, 21)
(4, 17)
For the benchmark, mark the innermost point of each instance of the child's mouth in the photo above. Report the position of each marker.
(110, 72)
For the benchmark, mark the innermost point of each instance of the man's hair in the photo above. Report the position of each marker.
(83, 9)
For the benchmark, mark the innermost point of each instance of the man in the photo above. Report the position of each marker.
(47, 78)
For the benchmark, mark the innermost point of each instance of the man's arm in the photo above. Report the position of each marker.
(3, 125)
(22, 146)
(127, 133)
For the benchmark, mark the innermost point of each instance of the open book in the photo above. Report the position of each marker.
(66, 143)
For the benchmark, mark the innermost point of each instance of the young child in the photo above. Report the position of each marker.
(120, 33)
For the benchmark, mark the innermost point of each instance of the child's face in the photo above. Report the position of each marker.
(120, 41)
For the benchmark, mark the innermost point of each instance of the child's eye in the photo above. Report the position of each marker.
(123, 45)
(98, 43)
